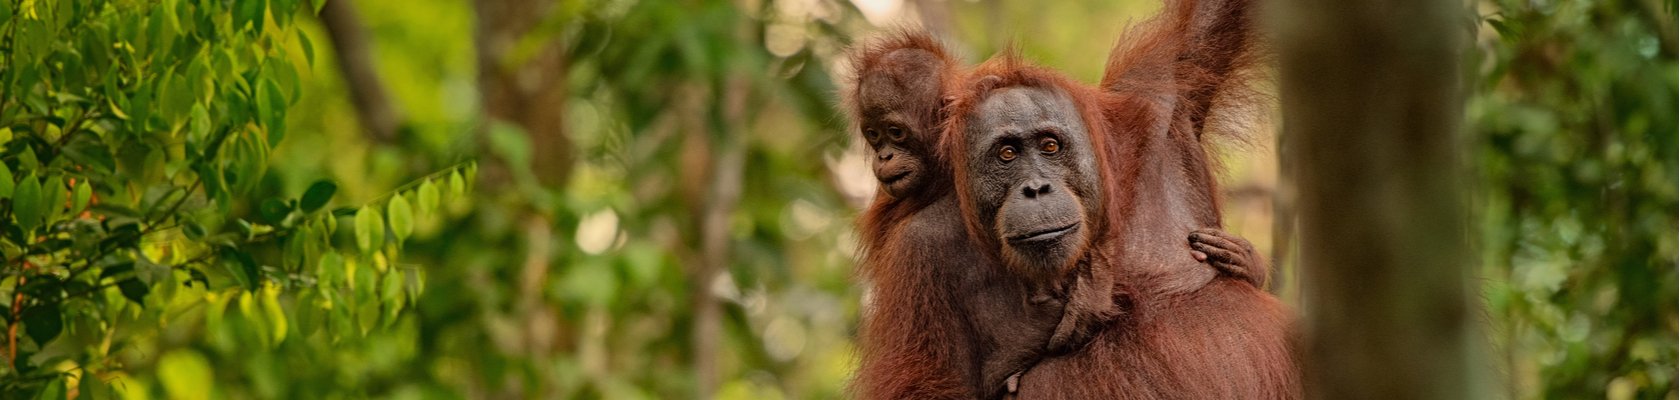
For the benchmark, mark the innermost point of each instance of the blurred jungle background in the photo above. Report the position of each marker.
(653, 199)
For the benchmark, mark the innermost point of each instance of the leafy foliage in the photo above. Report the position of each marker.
(1574, 115)
(134, 139)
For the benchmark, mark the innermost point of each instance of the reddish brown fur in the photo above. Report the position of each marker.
(870, 57)
(945, 321)
(1226, 339)
(913, 317)
(1188, 336)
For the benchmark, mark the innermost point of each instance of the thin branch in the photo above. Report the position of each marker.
(11, 326)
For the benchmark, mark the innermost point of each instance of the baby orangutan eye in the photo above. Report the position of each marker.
(1049, 146)
(1007, 154)
(895, 133)
(871, 135)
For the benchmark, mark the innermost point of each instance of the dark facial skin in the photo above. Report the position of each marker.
(1034, 181)
(896, 122)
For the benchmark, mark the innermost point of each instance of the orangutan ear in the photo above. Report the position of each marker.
(987, 83)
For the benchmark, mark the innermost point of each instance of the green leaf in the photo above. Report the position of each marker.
(170, 10)
(413, 281)
(281, 11)
(276, 117)
(428, 197)
(118, 270)
(178, 97)
(457, 185)
(92, 153)
(6, 181)
(274, 210)
(84, 193)
(43, 322)
(52, 197)
(200, 126)
(249, 12)
(308, 47)
(159, 37)
(264, 101)
(370, 229)
(94, 388)
(307, 314)
(318, 194)
(330, 270)
(401, 217)
(26, 203)
(391, 287)
(193, 229)
(270, 302)
(244, 267)
(134, 290)
(151, 273)
(55, 390)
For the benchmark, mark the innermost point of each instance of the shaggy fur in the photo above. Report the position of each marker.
(1218, 339)
(942, 309)
(944, 321)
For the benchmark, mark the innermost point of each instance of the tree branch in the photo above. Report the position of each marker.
(349, 42)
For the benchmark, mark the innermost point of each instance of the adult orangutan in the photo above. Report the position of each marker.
(1055, 177)
(945, 321)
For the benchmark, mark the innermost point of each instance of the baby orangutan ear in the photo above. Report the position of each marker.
(987, 83)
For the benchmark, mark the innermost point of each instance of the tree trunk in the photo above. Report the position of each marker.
(1372, 109)
(528, 91)
(355, 63)
(1284, 272)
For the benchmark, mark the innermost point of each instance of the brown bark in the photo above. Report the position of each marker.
(527, 90)
(355, 63)
(1371, 105)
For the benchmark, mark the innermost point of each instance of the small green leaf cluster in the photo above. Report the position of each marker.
(133, 135)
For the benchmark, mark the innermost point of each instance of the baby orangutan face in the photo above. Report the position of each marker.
(899, 99)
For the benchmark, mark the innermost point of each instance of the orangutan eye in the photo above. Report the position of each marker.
(1007, 154)
(895, 133)
(1049, 146)
(871, 135)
